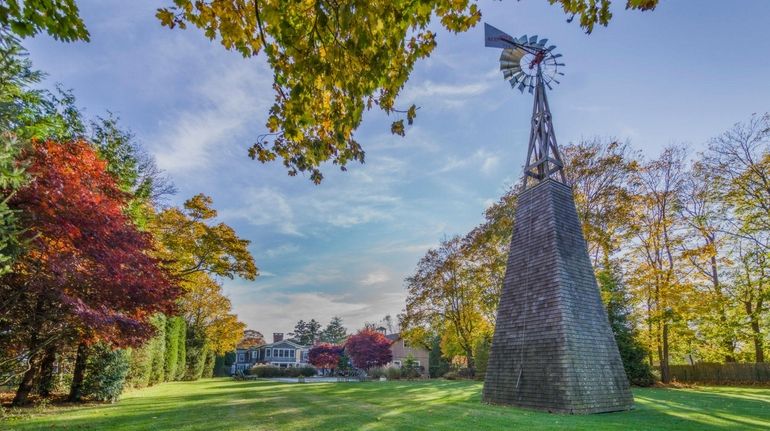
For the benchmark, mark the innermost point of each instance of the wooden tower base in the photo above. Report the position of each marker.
(553, 348)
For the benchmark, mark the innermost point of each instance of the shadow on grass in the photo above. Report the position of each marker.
(433, 405)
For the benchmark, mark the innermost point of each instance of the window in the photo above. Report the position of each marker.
(267, 353)
(254, 354)
(241, 357)
(291, 353)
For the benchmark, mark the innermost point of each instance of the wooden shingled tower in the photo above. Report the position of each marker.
(553, 348)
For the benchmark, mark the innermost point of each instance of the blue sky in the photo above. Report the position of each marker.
(682, 73)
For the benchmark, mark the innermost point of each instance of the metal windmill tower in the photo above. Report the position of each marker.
(527, 63)
(553, 348)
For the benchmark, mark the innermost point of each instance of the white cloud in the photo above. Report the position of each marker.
(281, 250)
(489, 161)
(265, 207)
(279, 313)
(445, 94)
(223, 106)
(375, 277)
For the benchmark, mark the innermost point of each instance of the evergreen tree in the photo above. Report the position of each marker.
(334, 332)
(437, 364)
(197, 351)
(181, 358)
(172, 348)
(632, 352)
(307, 333)
(208, 366)
(106, 373)
(157, 367)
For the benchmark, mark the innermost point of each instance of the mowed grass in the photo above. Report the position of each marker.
(224, 404)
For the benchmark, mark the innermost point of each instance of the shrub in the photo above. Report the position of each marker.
(459, 374)
(273, 371)
(377, 372)
(106, 373)
(267, 371)
(410, 369)
(307, 371)
(393, 373)
(141, 365)
(451, 375)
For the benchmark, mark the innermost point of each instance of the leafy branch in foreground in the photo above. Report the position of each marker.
(332, 60)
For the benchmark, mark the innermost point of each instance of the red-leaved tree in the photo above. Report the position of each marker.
(325, 355)
(88, 274)
(368, 348)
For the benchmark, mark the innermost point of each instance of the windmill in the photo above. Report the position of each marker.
(553, 348)
(527, 63)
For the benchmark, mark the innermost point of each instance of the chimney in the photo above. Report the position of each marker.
(277, 336)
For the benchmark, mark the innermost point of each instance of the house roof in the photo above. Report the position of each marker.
(291, 343)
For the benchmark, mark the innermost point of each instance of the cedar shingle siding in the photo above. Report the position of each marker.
(553, 348)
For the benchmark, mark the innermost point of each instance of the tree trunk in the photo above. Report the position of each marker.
(665, 374)
(759, 353)
(76, 389)
(26, 385)
(27, 381)
(471, 362)
(729, 339)
(46, 371)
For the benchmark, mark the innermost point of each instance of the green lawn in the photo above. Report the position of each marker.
(223, 404)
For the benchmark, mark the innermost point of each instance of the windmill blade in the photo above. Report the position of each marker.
(512, 54)
(521, 87)
(556, 55)
(522, 40)
(551, 48)
(542, 43)
(496, 38)
(508, 65)
(533, 40)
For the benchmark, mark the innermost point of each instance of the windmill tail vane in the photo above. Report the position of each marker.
(527, 63)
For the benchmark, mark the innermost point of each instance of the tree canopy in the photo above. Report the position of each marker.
(368, 348)
(331, 60)
(325, 355)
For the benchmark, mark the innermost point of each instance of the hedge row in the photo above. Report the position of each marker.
(272, 371)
